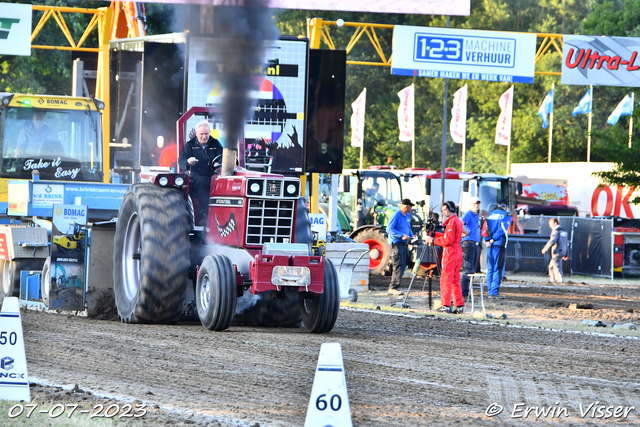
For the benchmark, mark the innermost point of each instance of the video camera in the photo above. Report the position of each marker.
(432, 225)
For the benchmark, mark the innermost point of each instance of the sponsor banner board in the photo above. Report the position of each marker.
(600, 61)
(463, 54)
(15, 29)
(45, 195)
(319, 225)
(68, 242)
(18, 195)
(424, 7)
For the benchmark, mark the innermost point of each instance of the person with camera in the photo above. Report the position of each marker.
(498, 222)
(399, 231)
(451, 259)
(470, 244)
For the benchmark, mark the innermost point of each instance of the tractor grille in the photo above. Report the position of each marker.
(274, 187)
(269, 220)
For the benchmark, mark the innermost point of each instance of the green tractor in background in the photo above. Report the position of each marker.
(366, 200)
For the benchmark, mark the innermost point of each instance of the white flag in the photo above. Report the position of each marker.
(405, 113)
(503, 129)
(357, 119)
(458, 126)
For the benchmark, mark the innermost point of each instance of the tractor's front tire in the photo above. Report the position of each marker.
(216, 292)
(151, 254)
(45, 281)
(319, 312)
(380, 257)
(6, 281)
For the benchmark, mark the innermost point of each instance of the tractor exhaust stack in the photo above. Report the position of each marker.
(228, 161)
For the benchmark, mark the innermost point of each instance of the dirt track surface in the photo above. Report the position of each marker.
(400, 371)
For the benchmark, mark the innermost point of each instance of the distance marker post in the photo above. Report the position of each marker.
(329, 402)
(14, 381)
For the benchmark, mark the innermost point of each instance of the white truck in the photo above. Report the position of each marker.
(594, 199)
(585, 191)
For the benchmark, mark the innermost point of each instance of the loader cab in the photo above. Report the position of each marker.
(58, 136)
(489, 188)
(369, 197)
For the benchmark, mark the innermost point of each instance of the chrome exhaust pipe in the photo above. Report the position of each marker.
(229, 156)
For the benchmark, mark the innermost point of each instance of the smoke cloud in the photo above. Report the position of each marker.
(245, 302)
(245, 29)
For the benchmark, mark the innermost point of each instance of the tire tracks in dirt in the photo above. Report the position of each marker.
(401, 371)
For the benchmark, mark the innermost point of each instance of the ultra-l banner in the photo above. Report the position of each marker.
(601, 61)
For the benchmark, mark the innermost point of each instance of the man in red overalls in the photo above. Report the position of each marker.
(451, 259)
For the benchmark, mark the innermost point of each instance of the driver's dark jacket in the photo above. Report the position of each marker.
(204, 167)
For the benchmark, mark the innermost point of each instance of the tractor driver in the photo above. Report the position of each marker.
(198, 157)
(32, 135)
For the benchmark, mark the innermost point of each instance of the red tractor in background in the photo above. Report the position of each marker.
(251, 264)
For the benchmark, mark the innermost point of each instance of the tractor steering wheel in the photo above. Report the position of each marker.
(218, 159)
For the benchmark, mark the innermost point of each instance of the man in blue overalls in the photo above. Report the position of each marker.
(498, 222)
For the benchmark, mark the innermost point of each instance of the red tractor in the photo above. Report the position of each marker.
(251, 264)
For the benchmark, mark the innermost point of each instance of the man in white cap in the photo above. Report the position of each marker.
(470, 244)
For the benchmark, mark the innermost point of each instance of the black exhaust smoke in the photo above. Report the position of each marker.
(246, 29)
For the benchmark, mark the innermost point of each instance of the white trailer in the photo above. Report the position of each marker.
(586, 191)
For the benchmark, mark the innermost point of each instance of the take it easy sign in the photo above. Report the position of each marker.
(601, 61)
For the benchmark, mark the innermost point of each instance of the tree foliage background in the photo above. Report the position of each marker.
(50, 72)
(530, 141)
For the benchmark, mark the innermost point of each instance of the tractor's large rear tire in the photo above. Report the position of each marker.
(319, 312)
(151, 254)
(216, 292)
(380, 257)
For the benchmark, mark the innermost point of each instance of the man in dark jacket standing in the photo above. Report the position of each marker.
(470, 244)
(197, 157)
(558, 245)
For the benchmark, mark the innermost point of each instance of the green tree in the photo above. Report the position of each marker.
(46, 71)
(529, 139)
(50, 71)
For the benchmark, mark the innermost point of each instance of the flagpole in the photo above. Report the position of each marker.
(361, 151)
(413, 131)
(509, 146)
(589, 128)
(631, 120)
(444, 138)
(464, 145)
(551, 126)
(508, 156)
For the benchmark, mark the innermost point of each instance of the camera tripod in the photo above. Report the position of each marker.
(429, 276)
